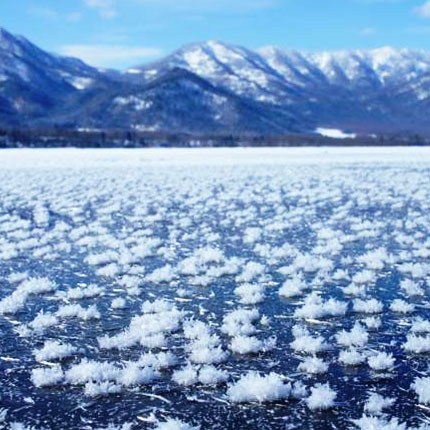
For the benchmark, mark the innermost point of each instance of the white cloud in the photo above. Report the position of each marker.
(99, 4)
(43, 12)
(380, 1)
(226, 6)
(109, 8)
(74, 16)
(110, 55)
(368, 31)
(105, 8)
(418, 30)
(51, 14)
(423, 10)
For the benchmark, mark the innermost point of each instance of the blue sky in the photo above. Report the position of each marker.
(121, 33)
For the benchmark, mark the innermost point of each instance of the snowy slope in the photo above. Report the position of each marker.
(34, 82)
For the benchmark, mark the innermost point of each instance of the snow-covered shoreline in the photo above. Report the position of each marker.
(76, 157)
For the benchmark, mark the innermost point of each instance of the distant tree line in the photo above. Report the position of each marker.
(47, 138)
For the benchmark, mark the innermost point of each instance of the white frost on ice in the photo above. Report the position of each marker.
(322, 397)
(254, 387)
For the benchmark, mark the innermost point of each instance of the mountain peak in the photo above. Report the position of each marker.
(9, 37)
(213, 43)
(5, 35)
(9, 44)
(3, 32)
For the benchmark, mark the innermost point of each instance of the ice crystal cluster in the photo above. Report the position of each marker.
(215, 289)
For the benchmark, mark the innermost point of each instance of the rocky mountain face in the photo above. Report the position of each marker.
(213, 87)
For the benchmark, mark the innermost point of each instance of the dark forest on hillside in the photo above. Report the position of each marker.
(13, 138)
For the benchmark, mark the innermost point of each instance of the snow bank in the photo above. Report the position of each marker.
(334, 133)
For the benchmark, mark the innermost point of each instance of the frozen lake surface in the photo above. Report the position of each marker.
(215, 289)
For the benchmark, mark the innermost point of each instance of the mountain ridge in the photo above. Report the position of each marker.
(215, 87)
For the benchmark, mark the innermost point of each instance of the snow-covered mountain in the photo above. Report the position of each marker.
(376, 90)
(215, 87)
(34, 83)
